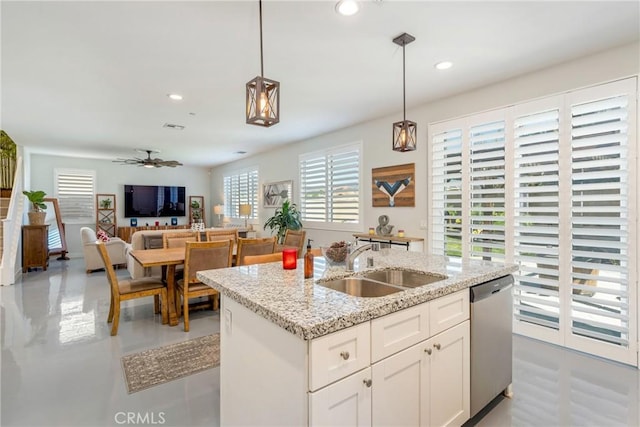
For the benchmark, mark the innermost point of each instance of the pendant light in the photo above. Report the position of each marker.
(404, 132)
(263, 95)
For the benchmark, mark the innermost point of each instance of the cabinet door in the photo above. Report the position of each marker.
(344, 403)
(401, 388)
(450, 380)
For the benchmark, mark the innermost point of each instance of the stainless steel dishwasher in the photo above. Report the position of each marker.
(491, 327)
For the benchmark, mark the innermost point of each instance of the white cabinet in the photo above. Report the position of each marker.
(434, 379)
(419, 373)
(344, 403)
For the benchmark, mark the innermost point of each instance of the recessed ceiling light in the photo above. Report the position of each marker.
(175, 96)
(444, 65)
(347, 7)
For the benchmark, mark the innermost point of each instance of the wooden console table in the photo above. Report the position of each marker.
(414, 244)
(125, 233)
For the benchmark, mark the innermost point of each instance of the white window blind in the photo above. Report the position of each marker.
(552, 188)
(330, 186)
(599, 220)
(75, 191)
(447, 192)
(486, 157)
(536, 220)
(241, 188)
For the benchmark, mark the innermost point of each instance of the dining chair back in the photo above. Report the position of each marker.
(256, 246)
(123, 290)
(201, 256)
(228, 233)
(178, 240)
(261, 259)
(293, 239)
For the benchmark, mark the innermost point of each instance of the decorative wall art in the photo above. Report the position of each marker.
(394, 186)
(274, 193)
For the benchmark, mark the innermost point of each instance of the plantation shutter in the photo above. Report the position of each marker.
(487, 180)
(536, 216)
(240, 188)
(330, 185)
(75, 191)
(600, 220)
(447, 192)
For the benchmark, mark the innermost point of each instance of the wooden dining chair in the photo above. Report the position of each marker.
(230, 233)
(257, 246)
(201, 256)
(177, 240)
(293, 239)
(123, 290)
(261, 259)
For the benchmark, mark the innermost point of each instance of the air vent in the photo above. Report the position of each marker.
(173, 126)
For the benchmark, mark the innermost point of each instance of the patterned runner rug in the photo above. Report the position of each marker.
(159, 365)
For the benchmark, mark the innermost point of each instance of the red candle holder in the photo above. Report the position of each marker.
(289, 259)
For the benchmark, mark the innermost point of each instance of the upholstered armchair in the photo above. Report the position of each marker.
(116, 248)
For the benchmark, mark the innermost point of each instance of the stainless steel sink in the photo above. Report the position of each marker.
(404, 278)
(360, 287)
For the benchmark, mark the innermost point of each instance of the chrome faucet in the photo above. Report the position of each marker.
(353, 253)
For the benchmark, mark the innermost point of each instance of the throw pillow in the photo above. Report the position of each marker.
(103, 236)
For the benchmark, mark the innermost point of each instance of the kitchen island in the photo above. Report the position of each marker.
(297, 353)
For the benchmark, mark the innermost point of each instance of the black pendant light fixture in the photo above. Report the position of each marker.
(404, 132)
(263, 95)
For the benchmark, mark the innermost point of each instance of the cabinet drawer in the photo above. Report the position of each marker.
(397, 331)
(339, 354)
(448, 311)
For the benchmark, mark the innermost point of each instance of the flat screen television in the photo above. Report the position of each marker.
(153, 201)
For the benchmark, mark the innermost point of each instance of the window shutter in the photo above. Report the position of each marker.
(487, 143)
(330, 186)
(600, 220)
(240, 188)
(447, 193)
(536, 221)
(75, 191)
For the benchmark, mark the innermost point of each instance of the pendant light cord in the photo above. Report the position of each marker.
(404, 92)
(261, 58)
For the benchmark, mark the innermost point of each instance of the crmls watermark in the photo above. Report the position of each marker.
(144, 418)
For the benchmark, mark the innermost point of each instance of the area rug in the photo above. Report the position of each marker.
(160, 365)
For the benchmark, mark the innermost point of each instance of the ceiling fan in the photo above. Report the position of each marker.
(149, 162)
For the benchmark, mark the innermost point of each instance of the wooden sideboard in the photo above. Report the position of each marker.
(125, 233)
(35, 247)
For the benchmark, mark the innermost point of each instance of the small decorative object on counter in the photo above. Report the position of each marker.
(308, 261)
(289, 259)
(336, 253)
(400, 233)
(384, 229)
(372, 231)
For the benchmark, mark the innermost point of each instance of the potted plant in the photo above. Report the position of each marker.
(105, 203)
(285, 217)
(37, 214)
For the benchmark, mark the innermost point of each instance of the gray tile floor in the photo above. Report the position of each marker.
(60, 366)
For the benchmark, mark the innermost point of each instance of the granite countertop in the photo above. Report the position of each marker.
(308, 310)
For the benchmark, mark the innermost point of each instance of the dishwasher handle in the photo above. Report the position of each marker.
(486, 289)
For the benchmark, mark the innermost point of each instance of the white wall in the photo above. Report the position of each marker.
(281, 164)
(111, 178)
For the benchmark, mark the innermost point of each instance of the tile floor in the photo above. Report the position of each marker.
(60, 366)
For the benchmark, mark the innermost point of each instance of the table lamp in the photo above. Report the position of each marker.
(245, 209)
(219, 210)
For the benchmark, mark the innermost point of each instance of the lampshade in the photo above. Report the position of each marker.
(218, 209)
(263, 95)
(404, 132)
(245, 209)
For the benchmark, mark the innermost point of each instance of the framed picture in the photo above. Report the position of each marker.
(174, 221)
(394, 186)
(134, 222)
(274, 193)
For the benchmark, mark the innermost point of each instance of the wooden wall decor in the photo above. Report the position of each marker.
(394, 186)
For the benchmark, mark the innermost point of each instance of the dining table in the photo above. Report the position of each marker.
(169, 257)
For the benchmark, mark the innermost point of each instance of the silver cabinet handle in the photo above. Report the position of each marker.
(428, 351)
(437, 346)
(345, 355)
(367, 382)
